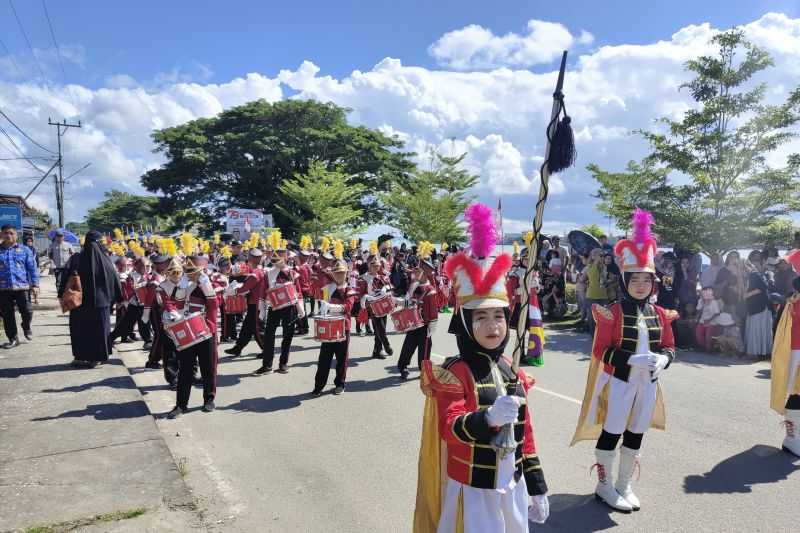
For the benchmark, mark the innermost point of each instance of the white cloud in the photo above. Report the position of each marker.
(498, 117)
(475, 47)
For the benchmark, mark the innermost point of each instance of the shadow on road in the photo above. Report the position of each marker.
(31, 370)
(266, 405)
(707, 359)
(576, 512)
(764, 373)
(758, 465)
(119, 382)
(372, 386)
(104, 411)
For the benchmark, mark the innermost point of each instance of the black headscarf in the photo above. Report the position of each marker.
(626, 296)
(461, 327)
(99, 281)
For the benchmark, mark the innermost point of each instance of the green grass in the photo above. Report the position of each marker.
(64, 527)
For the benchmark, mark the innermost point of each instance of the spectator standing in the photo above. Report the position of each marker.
(758, 327)
(580, 290)
(686, 285)
(595, 284)
(59, 253)
(784, 276)
(709, 276)
(611, 278)
(28, 241)
(605, 247)
(665, 273)
(730, 284)
(18, 276)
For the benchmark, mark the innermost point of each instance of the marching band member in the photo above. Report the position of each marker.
(785, 376)
(138, 277)
(633, 345)
(423, 294)
(280, 274)
(340, 303)
(126, 282)
(253, 287)
(373, 283)
(169, 290)
(193, 293)
(304, 270)
(220, 282)
(161, 263)
(478, 489)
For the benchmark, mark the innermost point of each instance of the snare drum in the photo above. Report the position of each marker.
(235, 304)
(188, 331)
(145, 295)
(281, 296)
(407, 319)
(329, 328)
(381, 305)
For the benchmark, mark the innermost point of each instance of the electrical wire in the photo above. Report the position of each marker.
(20, 152)
(25, 134)
(28, 41)
(11, 57)
(55, 43)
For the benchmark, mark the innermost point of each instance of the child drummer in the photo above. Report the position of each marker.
(423, 295)
(339, 303)
(192, 294)
(374, 283)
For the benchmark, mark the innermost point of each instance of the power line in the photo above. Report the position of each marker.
(25, 35)
(20, 152)
(55, 43)
(25, 134)
(13, 61)
(21, 158)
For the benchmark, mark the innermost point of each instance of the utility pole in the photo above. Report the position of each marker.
(59, 178)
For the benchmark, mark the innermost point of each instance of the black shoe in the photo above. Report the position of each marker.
(155, 365)
(91, 364)
(264, 370)
(147, 346)
(127, 340)
(133, 337)
(29, 335)
(316, 393)
(77, 363)
(378, 356)
(197, 381)
(209, 406)
(173, 385)
(404, 374)
(390, 352)
(338, 390)
(283, 369)
(234, 351)
(175, 413)
(370, 332)
(13, 343)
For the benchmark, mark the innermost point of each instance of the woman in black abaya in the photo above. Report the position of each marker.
(90, 324)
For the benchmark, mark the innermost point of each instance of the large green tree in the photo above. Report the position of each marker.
(430, 204)
(241, 157)
(324, 202)
(120, 209)
(708, 180)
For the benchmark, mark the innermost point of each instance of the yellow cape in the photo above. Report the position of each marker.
(432, 470)
(597, 383)
(781, 356)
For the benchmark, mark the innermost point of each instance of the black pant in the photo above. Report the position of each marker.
(249, 329)
(416, 339)
(381, 340)
(326, 352)
(229, 326)
(285, 319)
(124, 325)
(8, 299)
(169, 359)
(204, 355)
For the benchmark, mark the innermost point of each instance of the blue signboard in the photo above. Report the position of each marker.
(11, 214)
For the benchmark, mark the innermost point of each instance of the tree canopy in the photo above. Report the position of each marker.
(120, 209)
(241, 157)
(430, 204)
(709, 180)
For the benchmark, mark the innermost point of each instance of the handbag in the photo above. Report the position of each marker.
(72, 298)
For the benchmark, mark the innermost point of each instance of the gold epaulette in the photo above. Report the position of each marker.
(445, 381)
(602, 313)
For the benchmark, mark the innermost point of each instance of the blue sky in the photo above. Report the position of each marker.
(471, 77)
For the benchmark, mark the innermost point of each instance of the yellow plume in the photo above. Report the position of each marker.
(226, 251)
(424, 249)
(306, 242)
(373, 247)
(205, 247)
(216, 238)
(284, 244)
(82, 239)
(275, 239)
(338, 249)
(188, 244)
(354, 244)
(515, 248)
(325, 244)
(528, 238)
(171, 248)
(254, 238)
(117, 234)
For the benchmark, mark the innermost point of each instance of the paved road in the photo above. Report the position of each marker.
(271, 458)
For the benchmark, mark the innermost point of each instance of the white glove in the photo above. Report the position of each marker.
(539, 508)
(263, 309)
(641, 360)
(171, 316)
(660, 364)
(323, 307)
(184, 282)
(385, 289)
(504, 410)
(399, 302)
(203, 279)
(335, 309)
(146, 316)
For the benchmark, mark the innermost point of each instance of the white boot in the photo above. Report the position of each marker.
(605, 490)
(792, 441)
(628, 460)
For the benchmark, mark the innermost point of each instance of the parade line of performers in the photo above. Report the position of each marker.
(468, 481)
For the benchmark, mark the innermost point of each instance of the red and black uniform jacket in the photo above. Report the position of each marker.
(616, 334)
(464, 390)
(306, 287)
(426, 298)
(254, 285)
(343, 296)
(201, 299)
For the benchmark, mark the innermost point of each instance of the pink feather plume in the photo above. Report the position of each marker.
(642, 220)
(482, 233)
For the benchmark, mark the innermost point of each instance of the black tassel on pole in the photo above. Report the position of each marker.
(562, 147)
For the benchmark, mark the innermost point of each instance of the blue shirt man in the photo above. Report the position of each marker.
(18, 276)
